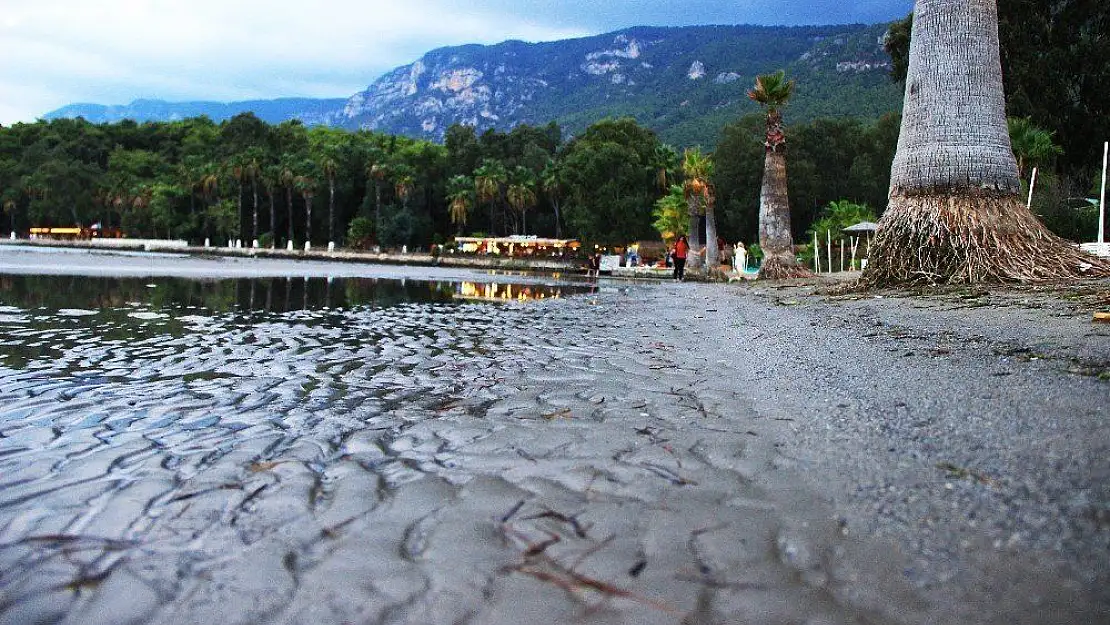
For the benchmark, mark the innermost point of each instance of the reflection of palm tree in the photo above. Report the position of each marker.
(460, 197)
(773, 91)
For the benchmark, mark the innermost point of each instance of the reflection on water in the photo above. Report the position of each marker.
(275, 295)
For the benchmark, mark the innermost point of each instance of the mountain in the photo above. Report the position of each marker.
(310, 111)
(684, 82)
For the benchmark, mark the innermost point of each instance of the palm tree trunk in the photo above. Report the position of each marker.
(712, 253)
(694, 258)
(378, 211)
(254, 192)
(307, 219)
(955, 214)
(558, 220)
(331, 210)
(289, 203)
(273, 223)
(775, 237)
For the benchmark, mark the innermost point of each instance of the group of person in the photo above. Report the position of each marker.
(680, 251)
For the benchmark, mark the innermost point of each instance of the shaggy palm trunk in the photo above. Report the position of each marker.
(954, 213)
(694, 258)
(775, 237)
(254, 192)
(712, 253)
(289, 203)
(273, 223)
(308, 219)
(331, 210)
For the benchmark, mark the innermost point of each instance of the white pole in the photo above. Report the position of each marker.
(828, 247)
(1102, 197)
(842, 255)
(1032, 183)
(816, 254)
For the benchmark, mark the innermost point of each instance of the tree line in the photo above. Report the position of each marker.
(246, 179)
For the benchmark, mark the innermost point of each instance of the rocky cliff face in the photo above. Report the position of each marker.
(650, 72)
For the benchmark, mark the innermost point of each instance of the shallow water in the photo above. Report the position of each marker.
(308, 451)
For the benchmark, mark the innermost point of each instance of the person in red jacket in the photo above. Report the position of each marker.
(678, 254)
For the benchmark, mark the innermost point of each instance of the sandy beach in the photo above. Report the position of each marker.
(642, 453)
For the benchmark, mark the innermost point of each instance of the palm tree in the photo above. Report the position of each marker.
(9, 210)
(665, 165)
(671, 215)
(551, 181)
(329, 167)
(238, 169)
(253, 169)
(521, 194)
(488, 180)
(210, 191)
(306, 186)
(404, 182)
(288, 179)
(697, 168)
(377, 170)
(1032, 145)
(772, 92)
(271, 179)
(954, 213)
(460, 198)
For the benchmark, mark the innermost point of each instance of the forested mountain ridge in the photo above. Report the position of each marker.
(685, 83)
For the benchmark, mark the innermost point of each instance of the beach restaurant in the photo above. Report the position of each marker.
(517, 246)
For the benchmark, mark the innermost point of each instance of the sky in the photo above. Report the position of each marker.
(58, 52)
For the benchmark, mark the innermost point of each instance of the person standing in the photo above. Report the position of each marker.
(679, 253)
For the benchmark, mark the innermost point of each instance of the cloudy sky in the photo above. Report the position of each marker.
(58, 52)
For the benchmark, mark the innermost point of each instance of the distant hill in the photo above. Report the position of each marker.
(309, 110)
(685, 83)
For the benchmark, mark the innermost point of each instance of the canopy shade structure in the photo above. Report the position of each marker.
(863, 226)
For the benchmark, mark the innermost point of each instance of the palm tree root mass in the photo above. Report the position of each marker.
(968, 238)
(782, 267)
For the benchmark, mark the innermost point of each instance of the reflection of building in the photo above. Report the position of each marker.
(517, 246)
(494, 292)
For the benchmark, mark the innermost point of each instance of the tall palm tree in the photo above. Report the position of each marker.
(488, 181)
(238, 169)
(460, 198)
(955, 214)
(377, 170)
(521, 194)
(330, 167)
(253, 169)
(271, 180)
(9, 210)
(551, 181)
(288, 180)
(697, 169)
(210, 191)
(773, 92)
(306, 186)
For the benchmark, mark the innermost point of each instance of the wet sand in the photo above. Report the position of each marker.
(668, 453)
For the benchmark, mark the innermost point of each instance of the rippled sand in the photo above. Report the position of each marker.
(557, 461)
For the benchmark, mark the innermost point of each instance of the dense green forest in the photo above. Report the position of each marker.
(246, 179)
